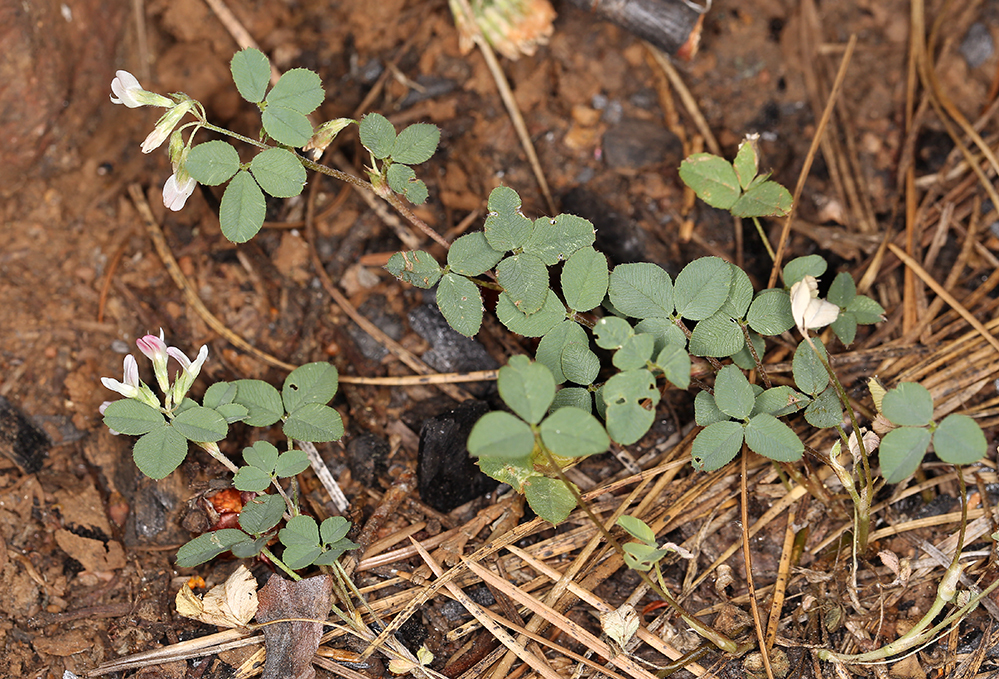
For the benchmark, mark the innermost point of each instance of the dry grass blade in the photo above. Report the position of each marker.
(560, 621)
(194, 648)
(946, 296)
(536, 663)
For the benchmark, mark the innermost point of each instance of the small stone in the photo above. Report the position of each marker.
(635, 144)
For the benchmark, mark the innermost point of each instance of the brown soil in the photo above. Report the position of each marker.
(86, 566)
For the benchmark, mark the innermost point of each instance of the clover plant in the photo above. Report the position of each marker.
(566, 402)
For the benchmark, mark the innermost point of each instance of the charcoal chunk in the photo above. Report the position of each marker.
(21, 440)
(447, 477)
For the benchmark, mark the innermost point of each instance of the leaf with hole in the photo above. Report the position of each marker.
(553, 240)
(402, 179)
(506, 228)
(641, 290)
(310, 383)
(713, 179)
(242, 211)
(702, 287)
(460, 303)
(584, 279)
(500, 436)
(631, 398)
(716, 445)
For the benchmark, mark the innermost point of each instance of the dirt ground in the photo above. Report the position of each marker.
(86, 546)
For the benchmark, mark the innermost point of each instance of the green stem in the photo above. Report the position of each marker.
(863, 519)
(766, 241)
(280, 564)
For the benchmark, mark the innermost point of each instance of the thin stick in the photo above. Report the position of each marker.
(748, 557)
(810, 158)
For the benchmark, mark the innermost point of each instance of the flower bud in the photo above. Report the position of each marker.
(165, 125)
(190, 371)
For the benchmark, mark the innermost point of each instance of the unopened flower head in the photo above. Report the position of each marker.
(164, 126)
(155, 349)
(190, 371)
(808, 311)
(129, 92)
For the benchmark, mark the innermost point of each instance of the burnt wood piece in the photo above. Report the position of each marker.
(673, 26)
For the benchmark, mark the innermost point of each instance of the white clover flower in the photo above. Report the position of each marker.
(808, 311)
(176, 192)
(130, 93)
